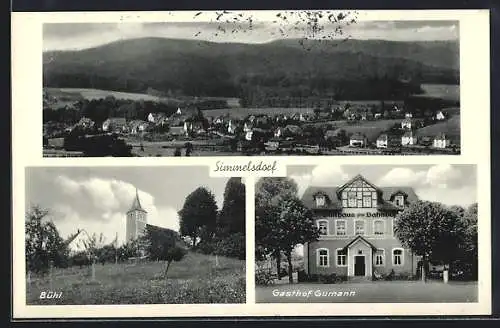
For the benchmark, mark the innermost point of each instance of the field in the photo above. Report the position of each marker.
(196, 279)
(371, 292)
(90, 94)
(371, 129)
(450, 127)
(243, 112)
(443, 91)
(74, 94)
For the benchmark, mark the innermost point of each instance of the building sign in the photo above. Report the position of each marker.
(368, 214)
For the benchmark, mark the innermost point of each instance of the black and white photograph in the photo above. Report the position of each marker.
(338, 164)
(368, 234)
(233, 83)
(133, 235)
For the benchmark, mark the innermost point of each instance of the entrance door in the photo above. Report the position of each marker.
(359, 265)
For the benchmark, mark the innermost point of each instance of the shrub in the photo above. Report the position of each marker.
(302, 276)
(329, 278)
(232, 246)
(263, 278)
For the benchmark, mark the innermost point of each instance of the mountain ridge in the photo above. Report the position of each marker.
(189, 65)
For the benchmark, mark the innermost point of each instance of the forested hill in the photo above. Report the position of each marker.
(282, 67)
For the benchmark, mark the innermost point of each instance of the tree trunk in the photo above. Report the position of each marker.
(278, 263)
(289, 259)
(424, 265)
(194, 241)
(166, 270)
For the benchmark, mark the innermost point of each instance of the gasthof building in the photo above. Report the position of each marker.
(356, 223)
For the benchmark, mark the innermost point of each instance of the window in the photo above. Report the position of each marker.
(400, 201)
(322, 257)
(320, 200)
(380, 257)
(340, 227)
(367, 201)
(341, 257)
(323, 227)
(394, 228)
(359, 227)
(397, 257)
(378, 227)
(351, 198)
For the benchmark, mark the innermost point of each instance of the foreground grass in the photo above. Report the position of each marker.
(195, 279)
(370, 292)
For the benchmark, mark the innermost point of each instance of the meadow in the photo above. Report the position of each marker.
(442, 91)
(450, 127)
(91, 94)
(71, 95)
(242, 112)
(197, 278)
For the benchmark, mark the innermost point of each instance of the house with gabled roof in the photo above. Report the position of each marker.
(115, 124)
(382, 140)
(356, 223)
(441, 141)
(358, 140)
(409, 138)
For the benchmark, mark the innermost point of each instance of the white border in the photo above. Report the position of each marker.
(27, 150)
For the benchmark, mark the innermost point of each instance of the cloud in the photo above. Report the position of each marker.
(437, 176)
(443, 176)
(401, 176)
(321, 175)
(100, 205)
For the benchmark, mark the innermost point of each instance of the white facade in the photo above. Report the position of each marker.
(408, 140)
(248, 135)
(382, 143)
(406, 124)
(441, 143)
(357, 142)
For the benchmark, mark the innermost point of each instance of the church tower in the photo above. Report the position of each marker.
(136, 219)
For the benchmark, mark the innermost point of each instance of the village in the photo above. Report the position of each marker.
(345, 128)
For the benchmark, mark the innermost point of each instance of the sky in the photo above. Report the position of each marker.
(97, 198)
(444, 183)
(235, 28)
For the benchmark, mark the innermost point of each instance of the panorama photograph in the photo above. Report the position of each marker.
(232, 83)
(367, 234)
(133, 235)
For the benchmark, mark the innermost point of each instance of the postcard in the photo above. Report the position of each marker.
(251, 163)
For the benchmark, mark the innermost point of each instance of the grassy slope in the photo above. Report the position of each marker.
(451, 127)
(193, 280)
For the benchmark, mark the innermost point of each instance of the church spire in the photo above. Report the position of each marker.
(136, 205)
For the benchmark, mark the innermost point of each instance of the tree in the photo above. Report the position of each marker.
(129, 249)
(189, 148)
(156, 241)
(295, 226)
(231, 218)
(430, 230)
(198, 215)
(175, 253)
(43, 244)
(468, 250)
(470, 224)
(92, 245)
(270, 193)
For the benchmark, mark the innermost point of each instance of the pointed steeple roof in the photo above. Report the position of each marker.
(136, 205)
